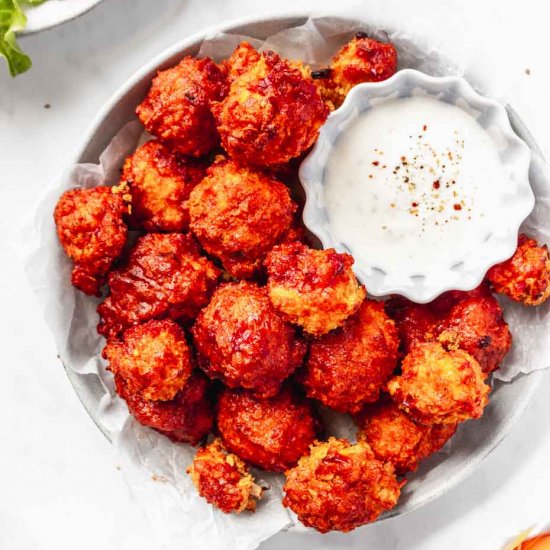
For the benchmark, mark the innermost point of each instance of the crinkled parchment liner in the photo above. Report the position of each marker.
(153, 466)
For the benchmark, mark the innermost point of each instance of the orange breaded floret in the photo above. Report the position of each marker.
(315, 289)
(239, 214)
(395, 437)
(363, 59)
(159, 183)
(475, 324)
(525, 277)
(348, 367)
(92, 232)
(177, 107)
(187, 418)
(339, 486)
(241, 60)
(271, 434)
(223, 479)
(163, 277)
(242, 340)
(438, 386)
(152, 358)
(271, 113)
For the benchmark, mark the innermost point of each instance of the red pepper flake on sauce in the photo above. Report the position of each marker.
(436, 184)
(457, 207)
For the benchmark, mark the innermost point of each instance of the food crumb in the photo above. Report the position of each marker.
(47, 105)
(528, 71)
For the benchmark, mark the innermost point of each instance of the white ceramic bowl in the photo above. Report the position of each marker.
(492, 241)
(474, 440)
(54, 12)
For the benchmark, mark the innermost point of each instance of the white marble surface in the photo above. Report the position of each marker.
(59, 484)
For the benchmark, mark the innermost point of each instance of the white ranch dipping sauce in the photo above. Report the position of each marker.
(410, 181)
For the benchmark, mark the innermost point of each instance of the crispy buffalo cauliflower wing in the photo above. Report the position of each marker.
(438, 386)
(475, 324)
(363, 59)
(238, 214)
(271, 114)
(242, 340)
(315, 289)
(525, 277)
(177, 108)
(348, 367)
(187, 418)
(223, 479)
(340, 486)
(395, 437)
(153, 359)
(272, 433)
(159, 183)
(163, 277)
(92, 232)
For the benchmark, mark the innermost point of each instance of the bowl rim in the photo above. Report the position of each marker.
(81, 382)
(32, 28)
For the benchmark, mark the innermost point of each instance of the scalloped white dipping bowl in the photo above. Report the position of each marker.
(512, 199)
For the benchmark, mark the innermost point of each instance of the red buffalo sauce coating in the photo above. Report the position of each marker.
(159, 183)
(238, 214)
(223, 479)
(187, 418)
(242, 340)
(315, 289)
(348, 367)
(525, 277)
(363, 59)
(91, 230)
(395, 437)
(272, 433)
(177, 107)
(437, 386)
(153, 359)
(272, 112)
(339, 486)
(164, 277)
(414, 322)
(476, 324)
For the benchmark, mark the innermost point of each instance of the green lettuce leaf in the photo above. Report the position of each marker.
(12, 19)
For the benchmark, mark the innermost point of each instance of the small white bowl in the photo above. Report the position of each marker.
(419, 280)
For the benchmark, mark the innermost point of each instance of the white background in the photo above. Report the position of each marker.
(59, 484)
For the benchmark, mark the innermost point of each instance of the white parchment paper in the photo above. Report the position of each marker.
(153, 466)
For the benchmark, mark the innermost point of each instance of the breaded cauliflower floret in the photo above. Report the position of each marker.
(91, 230)
(242, 340)
(395, 437)
(223, 479)
(415, 322)
(476, 325)
(438, 386)
(525, 277)
(348, 367)
(187, 418)
(177, 107)
(241, 60)
(315, 289)
(271, 113)
(238, 214)
(159, 183)
(152, 358)
(164, 276)
(363, 59)
(339, 486)
(271, 434)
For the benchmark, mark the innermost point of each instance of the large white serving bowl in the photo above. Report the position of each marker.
(54, 12)
(474, 440)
